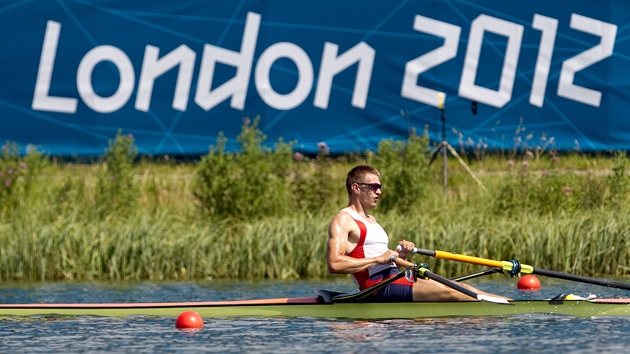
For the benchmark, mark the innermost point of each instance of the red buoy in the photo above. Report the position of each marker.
(189, 320)
(528, 282)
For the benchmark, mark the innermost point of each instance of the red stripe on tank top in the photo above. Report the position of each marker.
(362, 277)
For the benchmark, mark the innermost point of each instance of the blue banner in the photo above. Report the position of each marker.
(500, 74)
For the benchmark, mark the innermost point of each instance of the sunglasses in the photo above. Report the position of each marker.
(373, 186)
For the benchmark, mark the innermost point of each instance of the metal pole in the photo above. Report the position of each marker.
(444, 153)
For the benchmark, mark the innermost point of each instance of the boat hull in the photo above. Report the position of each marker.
(310, 307)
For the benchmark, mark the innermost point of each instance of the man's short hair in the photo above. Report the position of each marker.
(357, 174)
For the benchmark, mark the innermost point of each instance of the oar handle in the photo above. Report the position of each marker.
(403, 263)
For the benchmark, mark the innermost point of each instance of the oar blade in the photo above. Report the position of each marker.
(493, 299)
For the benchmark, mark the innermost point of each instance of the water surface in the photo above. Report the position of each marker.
(521, 334)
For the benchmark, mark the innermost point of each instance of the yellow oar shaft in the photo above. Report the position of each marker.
(504, 265)
(456, 257)
(517, 267)
(468, 259)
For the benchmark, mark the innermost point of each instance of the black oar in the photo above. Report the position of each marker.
(423, 272)
(514, 267)
(581, 279)
(451, 284)
(473, 275)
(362, 295)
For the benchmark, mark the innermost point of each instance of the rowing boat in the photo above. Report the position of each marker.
(318, 307)
(327, 304)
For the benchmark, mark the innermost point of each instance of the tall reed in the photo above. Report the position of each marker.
(167, 220)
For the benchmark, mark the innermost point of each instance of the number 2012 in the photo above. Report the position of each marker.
(514, 33)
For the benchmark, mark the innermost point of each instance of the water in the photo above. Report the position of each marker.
(521, 334)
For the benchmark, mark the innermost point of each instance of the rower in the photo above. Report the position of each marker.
(358, 245)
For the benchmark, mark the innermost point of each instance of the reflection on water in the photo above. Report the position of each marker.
(298, 335)
(521, 334)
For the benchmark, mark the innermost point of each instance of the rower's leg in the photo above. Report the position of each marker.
(429, 290)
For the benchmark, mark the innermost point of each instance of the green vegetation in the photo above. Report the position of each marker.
(264, 212)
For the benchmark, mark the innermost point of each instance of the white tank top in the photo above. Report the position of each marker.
(373, 242)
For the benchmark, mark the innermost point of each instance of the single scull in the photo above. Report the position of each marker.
(317, 307)
(358, 305)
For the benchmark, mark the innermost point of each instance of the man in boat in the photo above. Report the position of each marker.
(358, 245)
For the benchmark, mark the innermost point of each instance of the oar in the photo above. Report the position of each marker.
(362, 295)
(514, 267)
(465, 276)
(462, 277)
(423, 272)
(477, 274)
(367, 292)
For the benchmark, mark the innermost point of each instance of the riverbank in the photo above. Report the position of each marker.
(117, 220)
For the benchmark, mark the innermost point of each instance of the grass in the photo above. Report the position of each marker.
(57, 234)
(61, 221)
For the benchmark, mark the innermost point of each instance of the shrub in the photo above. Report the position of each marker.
(618, 181)
(405, 172)
(250, 184)
(552, 192)
(313, 189)
(117, 190)
(262, 178)
(213, 180)
(17, 176)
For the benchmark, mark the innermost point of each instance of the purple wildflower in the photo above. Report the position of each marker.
(323, 148)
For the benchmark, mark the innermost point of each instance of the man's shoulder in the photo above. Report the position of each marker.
(342, 214)
(345, 219)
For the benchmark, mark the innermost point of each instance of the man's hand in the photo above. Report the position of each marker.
(407, 248)
(387, 257)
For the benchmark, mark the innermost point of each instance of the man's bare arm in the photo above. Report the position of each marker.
(338, 261)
